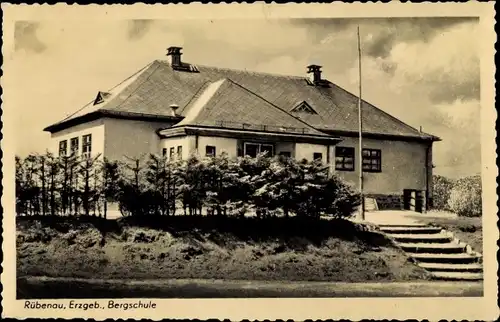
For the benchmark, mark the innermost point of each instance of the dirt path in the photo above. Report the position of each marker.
(44, 287)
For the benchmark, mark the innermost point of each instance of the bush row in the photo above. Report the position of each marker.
(153, 185)
(461, 196)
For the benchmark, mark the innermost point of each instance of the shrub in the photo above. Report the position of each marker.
(441, 192)
(156, 186)
(465, 197)
(304, 189)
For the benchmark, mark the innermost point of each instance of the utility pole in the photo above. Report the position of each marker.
(360, 122)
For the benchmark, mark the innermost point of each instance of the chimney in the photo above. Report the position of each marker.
(316, 70)
(173, 109)
(175, 52)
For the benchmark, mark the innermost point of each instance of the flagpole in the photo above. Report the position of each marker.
(360, 156)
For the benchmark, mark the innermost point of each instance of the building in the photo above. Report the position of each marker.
(176, 108)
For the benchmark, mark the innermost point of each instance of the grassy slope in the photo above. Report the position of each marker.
(208, 248)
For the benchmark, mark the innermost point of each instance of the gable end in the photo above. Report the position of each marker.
(304, 107)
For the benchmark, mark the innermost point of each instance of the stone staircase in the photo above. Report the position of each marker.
(437, 251)
(370, 204)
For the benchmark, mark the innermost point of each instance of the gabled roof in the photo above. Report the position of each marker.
(151, 91)
(226, 104)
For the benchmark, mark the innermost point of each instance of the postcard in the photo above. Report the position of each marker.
(249, 161)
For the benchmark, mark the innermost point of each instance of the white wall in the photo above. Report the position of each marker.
(174, 143)
(95, 128)
(221, 144)
(403, 166)
(131, 138)
(306, 151)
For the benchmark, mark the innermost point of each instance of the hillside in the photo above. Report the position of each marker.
(208, 248)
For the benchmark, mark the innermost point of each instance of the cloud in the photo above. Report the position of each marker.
(138, 28)
(380, 35)
(397, 30)
(458, 125)
(435, 82)
(264, 36)
(448, 65)
(285, 65)
(445, 66)
(423, 71)
(25, 35)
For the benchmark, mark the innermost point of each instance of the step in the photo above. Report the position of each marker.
(401, 225)
(449, 248)
(462, 276)
(421, 238)
(410, 229)
(461, 258)
(439, 267)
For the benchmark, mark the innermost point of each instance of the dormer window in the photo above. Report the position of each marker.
(101, 97)
(303, 107)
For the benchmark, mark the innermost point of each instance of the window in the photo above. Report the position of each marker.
(253, 149)
(344, 158)
(63, 147)
(87, 145)
(179, 152)
(74, 146)
(372, 160)
(210, 151)
(172, 153)
(164, 152)
(317, 156)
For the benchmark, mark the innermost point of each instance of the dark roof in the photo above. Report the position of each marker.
(155, 87)
(226, 104)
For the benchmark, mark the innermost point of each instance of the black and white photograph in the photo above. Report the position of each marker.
(266, 157)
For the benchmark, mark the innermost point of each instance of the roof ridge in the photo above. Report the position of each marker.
(273, 105)
(239, 70)
(202, 100)
(201, 89)
(378, 109)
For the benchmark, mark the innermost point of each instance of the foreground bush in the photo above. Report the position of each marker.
(154, 186)
(465, 197)
(461, 196)
(441, 192)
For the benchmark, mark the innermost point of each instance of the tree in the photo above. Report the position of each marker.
(87, 172)
(192, 191)
(21, 187)
(304, 189)
(131, 197)
(110, 182)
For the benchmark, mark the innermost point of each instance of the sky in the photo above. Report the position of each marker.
(424, 71)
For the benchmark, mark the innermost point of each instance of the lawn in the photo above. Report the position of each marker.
(467, 229)
(184, 247)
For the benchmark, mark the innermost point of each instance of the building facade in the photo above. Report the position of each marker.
(175, 109)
